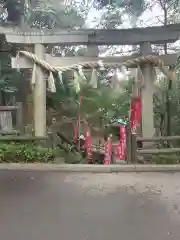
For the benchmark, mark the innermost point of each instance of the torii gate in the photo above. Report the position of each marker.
(143, 37)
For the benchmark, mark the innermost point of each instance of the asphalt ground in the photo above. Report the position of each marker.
(52, 205)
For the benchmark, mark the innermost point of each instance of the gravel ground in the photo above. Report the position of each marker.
(89, 206)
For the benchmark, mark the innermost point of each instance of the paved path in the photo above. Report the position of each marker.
(87, 206)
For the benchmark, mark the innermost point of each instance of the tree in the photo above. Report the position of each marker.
(102, 104)
(168, 8)
(40, 14)
(49, 17)
(117, 8)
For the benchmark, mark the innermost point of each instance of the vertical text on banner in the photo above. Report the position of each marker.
(108, 152)
(121, 147)
(136, 111)
(88, 146)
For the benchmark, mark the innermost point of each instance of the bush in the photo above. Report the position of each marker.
(26, 153)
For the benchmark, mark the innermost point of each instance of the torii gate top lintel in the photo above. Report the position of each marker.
(135, 36)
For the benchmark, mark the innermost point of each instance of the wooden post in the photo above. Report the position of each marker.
(168, 106)
(39, 96)
(19, 118)
(129, 148)
(147, 94)
(133, 149)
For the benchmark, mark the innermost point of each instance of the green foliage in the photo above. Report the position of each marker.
(98, 106)
(14, 11)
(25, 153)
(160, 99)
(115, 9)
(42, 14)
(10, 79)
(49, 17)
(101, 103)
(170, 158)
(111, 18)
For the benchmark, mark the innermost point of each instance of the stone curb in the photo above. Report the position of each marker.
(90, 168)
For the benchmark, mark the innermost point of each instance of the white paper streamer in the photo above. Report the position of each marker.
(76, 82)
(101, 65)
(80, 71)
(60, 77)
(119, 75)
(17, 62)
(94, 79)
(51, 83)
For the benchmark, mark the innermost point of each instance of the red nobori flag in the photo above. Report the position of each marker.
(88, 146)
(118, 151)
(108, 152)
(136, 111)
(121, 147)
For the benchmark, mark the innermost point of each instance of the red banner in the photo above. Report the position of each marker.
(108, 152)
(76, 134)
(136, 111)
(88, 146)
(121, 147)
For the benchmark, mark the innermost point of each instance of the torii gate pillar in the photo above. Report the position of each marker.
(39, 95)
(147, 94)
